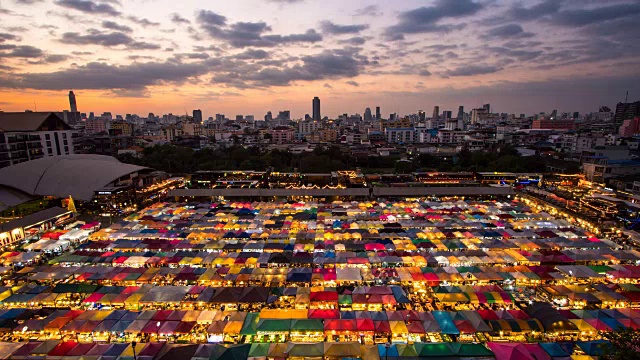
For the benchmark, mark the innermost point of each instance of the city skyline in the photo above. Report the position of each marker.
(251, 57)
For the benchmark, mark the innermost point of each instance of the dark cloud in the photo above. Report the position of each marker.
(583, 17)
(429, 19)
(355, 41)
(506, 31)
(352, 83)
(143, 22)
(110, 39)
(111, 25)
(252, 54)
(537, 11)
(522, 55)
(97, 38)
(244, 34)
(369, 10)
(177, 19)
(6, 36)
(50, 59)
(104, 76)
(22, 51)
(469, 70)
(329, 27)
(326, 65)
(89, 6)
(211, 19)
(192, 56)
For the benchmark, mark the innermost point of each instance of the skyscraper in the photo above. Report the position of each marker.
(197, 116)
(367, 114)
(72, 102)
(378, 115)
(460, 112)
(436, 112)
(487, 108)
(422, 115)
(316, 109)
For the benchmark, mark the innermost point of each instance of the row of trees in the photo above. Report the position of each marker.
(180, 160)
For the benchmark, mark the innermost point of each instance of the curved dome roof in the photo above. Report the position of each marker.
(61, 176)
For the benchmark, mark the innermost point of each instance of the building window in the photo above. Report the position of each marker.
(64, 135)
(65, 142)
(48, 143)
(47, 136)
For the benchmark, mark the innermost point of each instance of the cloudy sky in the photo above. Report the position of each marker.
(251, 56)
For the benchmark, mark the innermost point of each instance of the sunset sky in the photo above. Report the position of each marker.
(253, 56)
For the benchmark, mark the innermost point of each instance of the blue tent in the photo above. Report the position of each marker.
(390, 351)
(446, 323)
(555, 350)
(592, 348)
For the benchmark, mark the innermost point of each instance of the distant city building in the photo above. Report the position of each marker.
(554, 124)
(378, 114)
(72, 102)
(316, 109)
(268, 116)
(626, 111)
(487, 108)
(121, 128)
(446, 114)
(436, 112)
(95, 126)
(197, 116)
(630, 127)
(220, 117)
(367, 115)
(284, 115)
(422, 116)
(239, 118)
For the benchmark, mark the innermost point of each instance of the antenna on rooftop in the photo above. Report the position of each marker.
(626, 97)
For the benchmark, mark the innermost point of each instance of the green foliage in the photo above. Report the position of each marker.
(625, 345)
(182, 160)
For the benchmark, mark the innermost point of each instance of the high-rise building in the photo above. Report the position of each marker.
(219, 117)
(316, 109)
(378, 115)
(268, 116)
(436, 112)
(446, 114)
(197, 116)
(239, 118)
(487, 108)
(460, 112)
(367, 114)
(284, 115)
(626, 111)
(422, 115)
(72, 102)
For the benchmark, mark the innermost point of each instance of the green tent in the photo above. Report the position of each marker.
(259, 349)
(273, 326)
(250, 324)
(305, 349)
(307, 325)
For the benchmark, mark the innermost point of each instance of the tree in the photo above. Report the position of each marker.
(624, 345)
